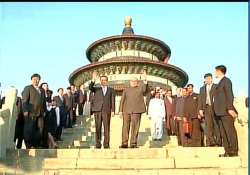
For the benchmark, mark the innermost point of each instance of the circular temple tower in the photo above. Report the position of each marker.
(122, 57)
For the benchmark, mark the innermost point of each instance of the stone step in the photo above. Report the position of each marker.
(141, 159)
(167, 163)
(195, 152)
(85, 131)
(197, 171)
(207, 162)
(70, 163)
(142, 152)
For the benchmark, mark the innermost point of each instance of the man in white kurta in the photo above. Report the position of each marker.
(156, 111)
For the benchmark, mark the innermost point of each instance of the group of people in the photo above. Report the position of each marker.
(42, 116)
(191, 116)
(188, 115)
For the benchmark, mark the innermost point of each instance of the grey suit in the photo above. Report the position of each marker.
(212, 130)
(69, 103)
(132, 105)
(32, 101)
(102, 105)
(179, 112)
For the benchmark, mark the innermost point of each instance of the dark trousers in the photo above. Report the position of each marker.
(62, 122)
(179, 131)
(74, 117)
(170, 125)
(69, 116)
(133, 120)
(182, 138)
(19, 134)
(58, 132)
(102, 118)
(31, 132)
(80, 108)
(196, 136)
(63, 117)
(45, 132)
(228, 133)
(212, 130)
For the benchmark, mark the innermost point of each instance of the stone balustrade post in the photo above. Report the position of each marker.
(8, 114)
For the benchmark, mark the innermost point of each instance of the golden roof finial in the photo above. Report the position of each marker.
(128, 21)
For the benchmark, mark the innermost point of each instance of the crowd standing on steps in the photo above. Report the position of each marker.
(197, 119)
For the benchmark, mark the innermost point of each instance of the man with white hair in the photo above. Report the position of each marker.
(132, 105)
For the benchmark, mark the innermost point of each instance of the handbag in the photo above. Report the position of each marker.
(187, 128)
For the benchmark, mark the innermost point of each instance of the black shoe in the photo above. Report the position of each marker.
(159, 140)
(134, 146)
(154, 139)
(59, 139)
(212, 145)
(123, 146)
(98, 146)
(106, 147)
(224, 155)
(233, 154)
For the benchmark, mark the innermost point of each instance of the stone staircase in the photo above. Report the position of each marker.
(155, 158)
(83, 136)
(183, 161)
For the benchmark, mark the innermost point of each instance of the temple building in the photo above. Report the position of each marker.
(122, 57)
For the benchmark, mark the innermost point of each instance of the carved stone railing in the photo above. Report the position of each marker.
(8, 115)
(241, 125)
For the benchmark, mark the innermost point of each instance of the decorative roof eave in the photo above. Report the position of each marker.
(162, 54)
(142, 62)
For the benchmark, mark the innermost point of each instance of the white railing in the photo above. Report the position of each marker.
(8, 115)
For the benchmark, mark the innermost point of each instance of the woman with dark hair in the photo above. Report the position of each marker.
(19, 124)
(51, 124)
(49, 118)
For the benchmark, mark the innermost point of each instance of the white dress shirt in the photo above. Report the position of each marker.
(156, 108)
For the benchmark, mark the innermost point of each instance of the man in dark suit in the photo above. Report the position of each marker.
(225, 112)
(170, 110)
(69, 102)
(82, 99)
(191, 114)
(205, 106)
(179, 115)
(132, 105)
(32, 104)
(75, 95)
(103, 107)
(60, 103)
